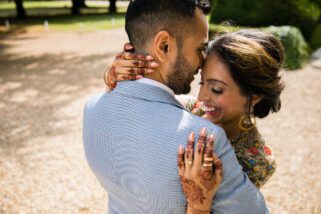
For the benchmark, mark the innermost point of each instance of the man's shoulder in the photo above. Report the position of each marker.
(96, 101)
(199, 123)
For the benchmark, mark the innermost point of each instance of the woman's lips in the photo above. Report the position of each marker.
(212, 110)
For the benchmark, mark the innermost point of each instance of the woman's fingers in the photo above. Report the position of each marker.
(207, 167)
(132, 71)
(218, 169)
(180, 160)
(109, 78)
(208, 153)
(198, 154)
(124, 77)
(134, 56)
(135, 63)
(189, 153)
(128, 47)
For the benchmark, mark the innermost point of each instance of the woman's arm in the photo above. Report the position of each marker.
(258, 163)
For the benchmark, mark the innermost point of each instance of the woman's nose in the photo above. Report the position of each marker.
(203, 95)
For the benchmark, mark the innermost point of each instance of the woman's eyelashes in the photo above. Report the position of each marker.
(217, 90)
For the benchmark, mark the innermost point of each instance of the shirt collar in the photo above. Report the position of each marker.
(157, 84)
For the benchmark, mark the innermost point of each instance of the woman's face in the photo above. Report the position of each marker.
(223, 101)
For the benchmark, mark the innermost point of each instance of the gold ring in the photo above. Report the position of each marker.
(208, 159)
(207, 164)
(189, 162)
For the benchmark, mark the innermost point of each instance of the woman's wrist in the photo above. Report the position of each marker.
(204, 209)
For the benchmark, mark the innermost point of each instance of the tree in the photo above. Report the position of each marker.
(82, 3)
(303, 14)
(76, 5)
(112, 6)
(21, 13)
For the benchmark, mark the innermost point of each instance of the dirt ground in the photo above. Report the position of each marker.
(45, 79)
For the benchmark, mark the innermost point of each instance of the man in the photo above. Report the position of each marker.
(131, 134)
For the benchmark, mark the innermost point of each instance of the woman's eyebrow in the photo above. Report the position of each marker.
(216, 80)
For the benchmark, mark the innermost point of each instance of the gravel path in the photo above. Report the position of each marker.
(45, 78)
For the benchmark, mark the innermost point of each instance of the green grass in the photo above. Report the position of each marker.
(35, 4)
(57, 13)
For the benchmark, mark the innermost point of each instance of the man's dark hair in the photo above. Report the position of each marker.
(145, 18)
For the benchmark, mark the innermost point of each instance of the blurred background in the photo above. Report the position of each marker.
(52, 58)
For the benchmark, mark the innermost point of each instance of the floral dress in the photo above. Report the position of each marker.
(253, 155)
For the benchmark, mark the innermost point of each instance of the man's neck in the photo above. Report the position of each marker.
(155, 76)
(157, 81)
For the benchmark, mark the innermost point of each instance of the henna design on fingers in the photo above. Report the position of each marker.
(131, 77)
(201, 140)
(200, 147)
(217, 164)
(200, 143)
(136, 63)
(180, 157)
(141, 71)
(141, 57)
(193, 193)
(208, 152)
(207, 176)
(131, 70)
(190, 146)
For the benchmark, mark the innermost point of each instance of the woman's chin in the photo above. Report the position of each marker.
(216, 121)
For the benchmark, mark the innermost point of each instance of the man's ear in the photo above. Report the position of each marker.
(163, 44)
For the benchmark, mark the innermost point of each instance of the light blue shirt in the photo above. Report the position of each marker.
(131, 136)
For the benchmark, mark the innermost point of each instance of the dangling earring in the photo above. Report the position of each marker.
(247, 122)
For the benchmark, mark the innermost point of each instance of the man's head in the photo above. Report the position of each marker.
(174, 32)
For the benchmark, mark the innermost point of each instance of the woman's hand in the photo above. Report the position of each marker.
(200, 176)
(129, 66)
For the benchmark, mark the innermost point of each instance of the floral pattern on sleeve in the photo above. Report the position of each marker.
(254, 156)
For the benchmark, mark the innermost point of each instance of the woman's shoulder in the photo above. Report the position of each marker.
(255, 157)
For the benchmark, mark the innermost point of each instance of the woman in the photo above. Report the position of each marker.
(240, 81)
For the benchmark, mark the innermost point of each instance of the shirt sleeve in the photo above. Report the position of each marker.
(236, 194)
(258, 163)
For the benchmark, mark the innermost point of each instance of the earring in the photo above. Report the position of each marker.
(247, 122)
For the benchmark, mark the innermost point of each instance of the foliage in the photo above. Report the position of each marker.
(297, 50)
(303, 14)
(315, 41)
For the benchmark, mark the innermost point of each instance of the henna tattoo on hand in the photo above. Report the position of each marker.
(193, 193)
(180, 157)
(200, 143)
(207, 179)
(189, 148)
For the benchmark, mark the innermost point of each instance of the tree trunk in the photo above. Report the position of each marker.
(112, 6)
(82, 3)
(21, 13)
(75, 7)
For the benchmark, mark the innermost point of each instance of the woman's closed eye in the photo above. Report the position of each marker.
(217, 90)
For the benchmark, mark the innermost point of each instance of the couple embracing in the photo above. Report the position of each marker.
(156, 152)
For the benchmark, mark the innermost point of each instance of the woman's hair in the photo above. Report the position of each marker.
(254, 59)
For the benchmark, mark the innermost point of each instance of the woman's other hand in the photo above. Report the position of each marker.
(129, 66)
(200, 175)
